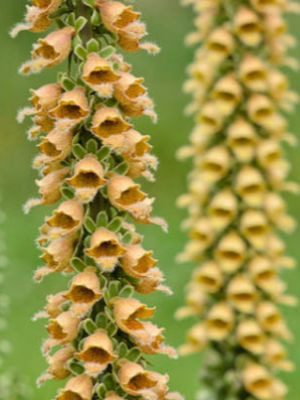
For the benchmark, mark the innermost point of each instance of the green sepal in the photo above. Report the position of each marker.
(115, 224)
(77, 264)
(87, 241)
(80, 52)
(67, 192)
(89, 3)
(100, 390)
(80, 23)
(127, 238)
(89, 225)
(103, 191)
(77, 41)
(109, 382)
(93, 46)
(134, 354)
(102, 219)
(91, 146)
(103, 153)
(103, 280)
(67, 83)
(79, 151)
(113, 212)
(122, 168)
(107, 51)
(75, 367)
(112, 329)
(95, 18)
(101, 320)
(122, 350)
(127, 291)
(70, 20)
(89, 326)
(114, 288)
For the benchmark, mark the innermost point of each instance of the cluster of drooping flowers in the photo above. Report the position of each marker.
(89, 157)
(11, 387)
(235, 203)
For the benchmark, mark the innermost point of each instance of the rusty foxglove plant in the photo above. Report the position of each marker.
(234, 200)
(89, 158)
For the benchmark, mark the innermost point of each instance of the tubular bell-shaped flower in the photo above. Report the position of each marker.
(236, 209)
(89, 157)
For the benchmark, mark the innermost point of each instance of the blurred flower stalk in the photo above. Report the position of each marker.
(89, 158)
(234, 200)
(11, 386)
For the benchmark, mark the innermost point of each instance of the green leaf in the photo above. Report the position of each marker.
(103, 153)
(100, 390)
(89, 3)
(107, 51)
(67, 83)
(75, 367)
(80, 52)
(102, 219)
(126, 291)
(114, 288)
(93, 46)
(71, 19)
(89, 326)
(95, 18)
(77, 264)
(67, 192)
(133, 354)
(79, 151)
(101, 320)
(89, 225)
(108, 382)
(127, 238)
(122, 168)
(80, 23)
(122, 350)
(115, 224)
(91, 146)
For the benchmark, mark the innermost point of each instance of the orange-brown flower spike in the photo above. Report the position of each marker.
(234, 201)
(89, 157)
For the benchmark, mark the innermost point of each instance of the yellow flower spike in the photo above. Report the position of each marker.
(258, 381)
(231, 252)
(241, 293)
(250, 186)
(251, 336)
(87, 179)
(80, 388)
(107, 122)
(248, 27)
(235, 210)
(227, 94)
(136, 381)
(105, 249)
(99, 75)
(97, 353)
(215, 164)
(209, 277)
(271, 320)
(255, 228)
(196, 340)
(222, 209)
(219, 322)
(50, 51)
(242, 140)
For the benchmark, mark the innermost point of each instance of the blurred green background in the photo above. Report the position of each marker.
(167, 24)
